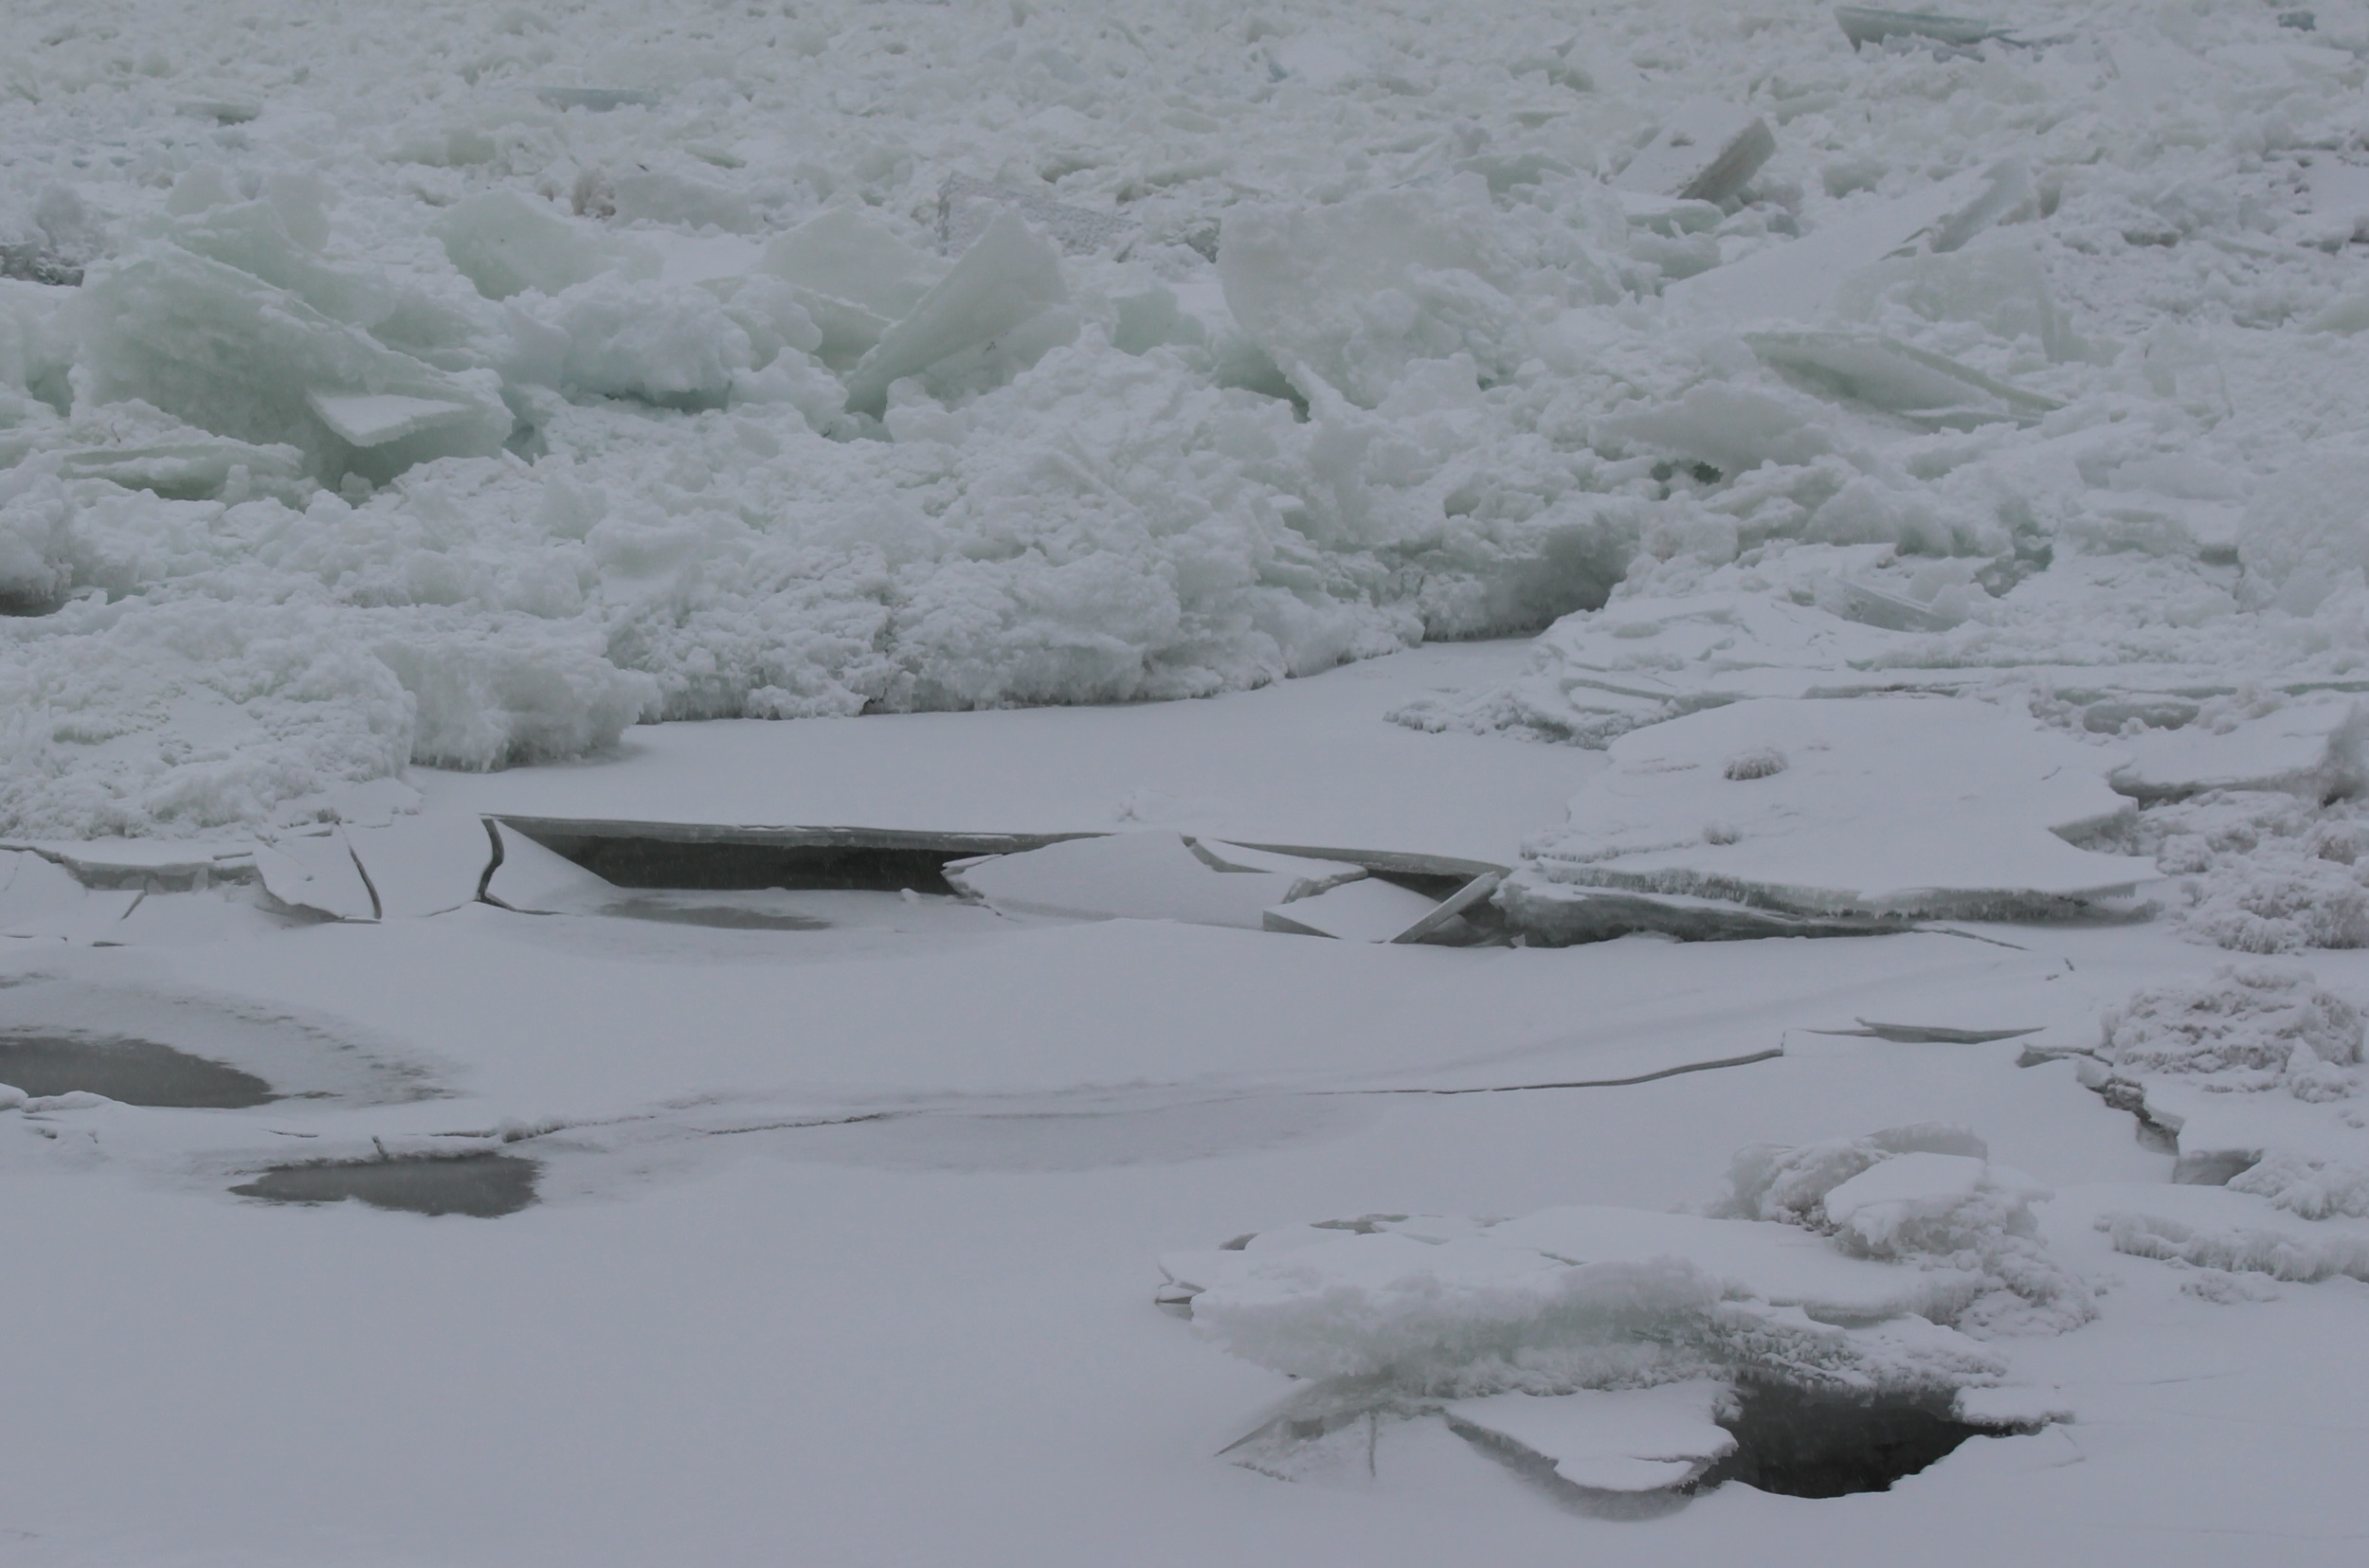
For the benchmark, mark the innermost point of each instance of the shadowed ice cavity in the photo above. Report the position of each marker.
(1808, 1443)
(60, 1033)
(484, 1186)
(1791, 1441)
(136, 1072)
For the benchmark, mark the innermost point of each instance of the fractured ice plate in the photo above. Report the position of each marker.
(316, 872)
(1863, 808)
(424, 864)
(1368, 910)
(533, 880)
(1147, 875)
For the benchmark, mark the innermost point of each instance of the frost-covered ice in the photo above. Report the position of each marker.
(1925, 452)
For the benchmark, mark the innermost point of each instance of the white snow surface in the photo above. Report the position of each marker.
(1155, 427)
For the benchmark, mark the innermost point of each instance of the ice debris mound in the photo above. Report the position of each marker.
(1792, 816)
(781, 365)
(2254, 1077)
(2253, 809)
(2252, 1027)
(1868, 1268)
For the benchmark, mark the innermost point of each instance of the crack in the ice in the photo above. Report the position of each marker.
(1770, 1055)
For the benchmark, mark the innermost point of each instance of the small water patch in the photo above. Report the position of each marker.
(1802, 1443)
(484, 1186)
(137, 1071)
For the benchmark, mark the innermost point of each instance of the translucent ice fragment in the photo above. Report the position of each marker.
(1795, 279)
(506, 243)
(374, 419)
(1930, 389)
(1006, 285)
(854, 275)
(967, 207)
(1865, 25)
(235, 354)
(1703, 153)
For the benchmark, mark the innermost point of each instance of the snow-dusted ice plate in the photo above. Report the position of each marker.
(1873, 808)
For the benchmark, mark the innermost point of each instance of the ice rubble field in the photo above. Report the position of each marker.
(1801, 930)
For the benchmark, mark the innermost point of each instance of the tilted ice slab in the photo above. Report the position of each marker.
(2312, 746)
(1796, 280)
(1871, 809)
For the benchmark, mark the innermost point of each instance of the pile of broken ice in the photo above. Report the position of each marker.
(1608, 1342)
(548, 411)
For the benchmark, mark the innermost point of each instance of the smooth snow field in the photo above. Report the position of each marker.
(870, 784)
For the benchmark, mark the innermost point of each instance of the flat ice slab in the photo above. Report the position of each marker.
(1147, 875)
(1870, 807)
(374, 419)
(1625, 1440)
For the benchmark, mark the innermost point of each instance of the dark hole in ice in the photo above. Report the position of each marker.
(1800, 1443)
(484, 1186)
(635, 855)
(139, 1073)
(717, 867)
